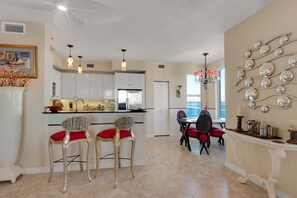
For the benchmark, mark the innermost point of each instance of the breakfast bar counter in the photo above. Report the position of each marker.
(100, 120)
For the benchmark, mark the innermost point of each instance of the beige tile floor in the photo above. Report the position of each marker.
(171, 171)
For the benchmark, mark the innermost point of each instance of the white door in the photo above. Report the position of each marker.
(161, 108)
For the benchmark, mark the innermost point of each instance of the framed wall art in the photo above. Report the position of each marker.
(22, 59)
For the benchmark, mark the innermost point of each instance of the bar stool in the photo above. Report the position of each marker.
(75, 131)
(123, 131)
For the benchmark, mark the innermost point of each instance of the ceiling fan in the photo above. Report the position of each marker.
(70, 15)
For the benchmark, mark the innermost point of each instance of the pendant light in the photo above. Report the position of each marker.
(124, 65)
(79, 69)
(70, 59)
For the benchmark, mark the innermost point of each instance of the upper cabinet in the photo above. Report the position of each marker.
(87, 86)
(68, 85)
(108, 87)
(82, 88)
(95, 86)
(129, 81)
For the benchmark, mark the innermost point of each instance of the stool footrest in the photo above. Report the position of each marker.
(70, 161)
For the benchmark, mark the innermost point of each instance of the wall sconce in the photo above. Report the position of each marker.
(178, 91)
(70, 59)
(124, 65)
(79, 69)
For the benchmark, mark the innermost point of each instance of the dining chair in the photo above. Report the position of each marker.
(215, 131)
(75, 131)
(122, 131)
(182, 126)
(203, 125)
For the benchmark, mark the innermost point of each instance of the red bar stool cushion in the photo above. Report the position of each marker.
(110, 133)
(59, 136)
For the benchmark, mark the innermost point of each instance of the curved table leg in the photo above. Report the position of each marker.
(276, 156)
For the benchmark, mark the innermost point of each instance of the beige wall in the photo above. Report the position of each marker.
(277, 18)
(32, 145)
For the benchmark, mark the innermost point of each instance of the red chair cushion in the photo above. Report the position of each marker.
(110, 133)
(59, 136)
(203, 136)
(189, 129)
(216, 132)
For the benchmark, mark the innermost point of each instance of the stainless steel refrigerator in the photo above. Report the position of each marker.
(130, 99)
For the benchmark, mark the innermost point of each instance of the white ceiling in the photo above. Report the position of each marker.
(165, 31)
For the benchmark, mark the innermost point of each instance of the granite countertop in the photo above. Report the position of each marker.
(98, 111)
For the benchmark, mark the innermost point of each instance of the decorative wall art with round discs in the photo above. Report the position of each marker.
(267, 79)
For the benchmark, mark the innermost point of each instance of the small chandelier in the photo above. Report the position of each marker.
(70, 59)
(207, 76)
(79, 68)
(124, 65)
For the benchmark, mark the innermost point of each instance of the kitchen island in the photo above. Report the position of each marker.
(100, 120)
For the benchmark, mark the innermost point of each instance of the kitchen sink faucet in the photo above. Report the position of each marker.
(79, 99)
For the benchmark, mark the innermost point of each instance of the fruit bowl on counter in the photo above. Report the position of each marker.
(54, 109)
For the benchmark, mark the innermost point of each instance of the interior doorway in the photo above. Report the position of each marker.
(161, 108)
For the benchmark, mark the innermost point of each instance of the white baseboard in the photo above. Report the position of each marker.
(76, 167)
(236, 169)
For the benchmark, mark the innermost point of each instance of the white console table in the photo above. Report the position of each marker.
(276, 150)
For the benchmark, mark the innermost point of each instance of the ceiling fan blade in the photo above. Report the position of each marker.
(95, 12)
(68, 22)
(40, 5)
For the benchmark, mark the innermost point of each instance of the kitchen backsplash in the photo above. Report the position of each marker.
(85, 105)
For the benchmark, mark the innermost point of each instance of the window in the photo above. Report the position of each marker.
(221, 94)
(193, 97)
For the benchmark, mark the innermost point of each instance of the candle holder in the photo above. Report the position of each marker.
(239, 124)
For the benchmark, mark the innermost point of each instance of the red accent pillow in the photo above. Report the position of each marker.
(110, 133)
(59, 136)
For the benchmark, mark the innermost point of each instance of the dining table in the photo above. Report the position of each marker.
(186, 122)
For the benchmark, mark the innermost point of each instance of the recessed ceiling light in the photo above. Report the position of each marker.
(61, 7)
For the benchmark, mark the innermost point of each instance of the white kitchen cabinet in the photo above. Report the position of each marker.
(82, 86)
(108, 86)
(95, 86)
(88, 86)
(68, 85)
(129, 81)
(137, 81)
